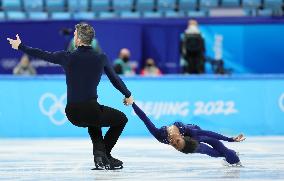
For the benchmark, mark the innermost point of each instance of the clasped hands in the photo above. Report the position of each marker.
(128, 101)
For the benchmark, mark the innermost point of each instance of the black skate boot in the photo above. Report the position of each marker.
(101, 161)
(115, 163)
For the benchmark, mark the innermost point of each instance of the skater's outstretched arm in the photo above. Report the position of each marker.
(151, 127)
(59, 57)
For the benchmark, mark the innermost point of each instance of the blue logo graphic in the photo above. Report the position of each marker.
(53, 108)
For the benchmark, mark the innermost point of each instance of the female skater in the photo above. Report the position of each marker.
(188, 138)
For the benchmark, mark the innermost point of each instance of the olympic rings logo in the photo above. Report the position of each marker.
(281, 102)
(57, 105)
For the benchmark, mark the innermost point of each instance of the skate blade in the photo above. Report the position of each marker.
(226, 164)
(233, 165)
(117, 168)
(98, 168)
(102, 167)
(111, 168)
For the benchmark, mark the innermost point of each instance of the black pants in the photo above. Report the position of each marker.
(95, 116)
(196, 63)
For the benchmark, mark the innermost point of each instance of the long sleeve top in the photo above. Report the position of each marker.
(83, 68)
(161, 134)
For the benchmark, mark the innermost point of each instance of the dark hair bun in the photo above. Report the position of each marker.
(190, 145)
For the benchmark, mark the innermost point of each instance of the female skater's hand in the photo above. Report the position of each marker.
(128, 101)
(15, 43)
(239, 138)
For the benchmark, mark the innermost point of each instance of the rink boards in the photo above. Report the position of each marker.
(254, 105)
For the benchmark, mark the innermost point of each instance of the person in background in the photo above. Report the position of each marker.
(122, 64)
(150, 68)
(24, 67)
(192, 50)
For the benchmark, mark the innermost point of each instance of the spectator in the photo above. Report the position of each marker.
(150, 68)
(192, 50)
(122, 64)
(24, 67)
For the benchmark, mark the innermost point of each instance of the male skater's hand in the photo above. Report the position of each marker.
(239, 138)
(128, 101)
(15, 43)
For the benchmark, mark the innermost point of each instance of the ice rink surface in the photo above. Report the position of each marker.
(144, 159)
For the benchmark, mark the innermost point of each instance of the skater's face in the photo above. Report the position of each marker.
(177, 142)
(175, 138)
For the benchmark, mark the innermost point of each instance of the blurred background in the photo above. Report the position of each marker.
(215, 63)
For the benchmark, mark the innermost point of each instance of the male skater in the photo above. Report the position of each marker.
(83, 69)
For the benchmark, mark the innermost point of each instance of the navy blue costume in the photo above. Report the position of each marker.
(84, 68)
(204, 138)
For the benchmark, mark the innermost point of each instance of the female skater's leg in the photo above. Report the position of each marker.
(207, 150)
(230, 155)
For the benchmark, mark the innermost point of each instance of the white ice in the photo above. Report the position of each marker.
(144, 159)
